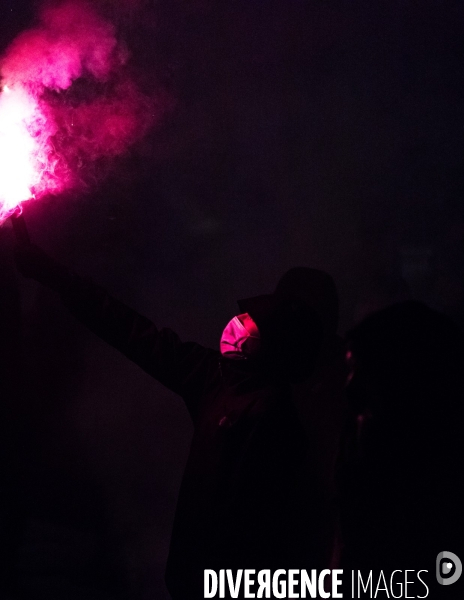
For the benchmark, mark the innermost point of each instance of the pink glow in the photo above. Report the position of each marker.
(240, 338)
(72, 40)
(23, 140)
(49, 136)
(16, 148)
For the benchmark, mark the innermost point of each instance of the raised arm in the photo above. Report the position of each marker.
(184, 367)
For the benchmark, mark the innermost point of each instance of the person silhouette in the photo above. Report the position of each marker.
(399, 470)
(248, 497)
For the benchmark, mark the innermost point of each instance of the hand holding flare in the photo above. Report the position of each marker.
(20, 228)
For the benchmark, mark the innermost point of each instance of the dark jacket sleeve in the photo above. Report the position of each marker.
(184, 367)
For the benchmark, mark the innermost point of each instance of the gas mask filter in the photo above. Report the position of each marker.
(240, 339)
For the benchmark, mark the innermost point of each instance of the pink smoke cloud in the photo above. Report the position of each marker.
(59, 131)
(71, 40)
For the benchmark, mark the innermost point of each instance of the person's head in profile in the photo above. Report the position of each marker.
(406, 363)
(283, 332)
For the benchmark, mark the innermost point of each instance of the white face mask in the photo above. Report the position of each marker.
(240, 338)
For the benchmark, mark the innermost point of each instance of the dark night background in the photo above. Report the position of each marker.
(320, 133)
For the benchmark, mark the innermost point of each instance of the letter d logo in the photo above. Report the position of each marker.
(446, 562)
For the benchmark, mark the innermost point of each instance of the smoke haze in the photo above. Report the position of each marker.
(86, 106)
